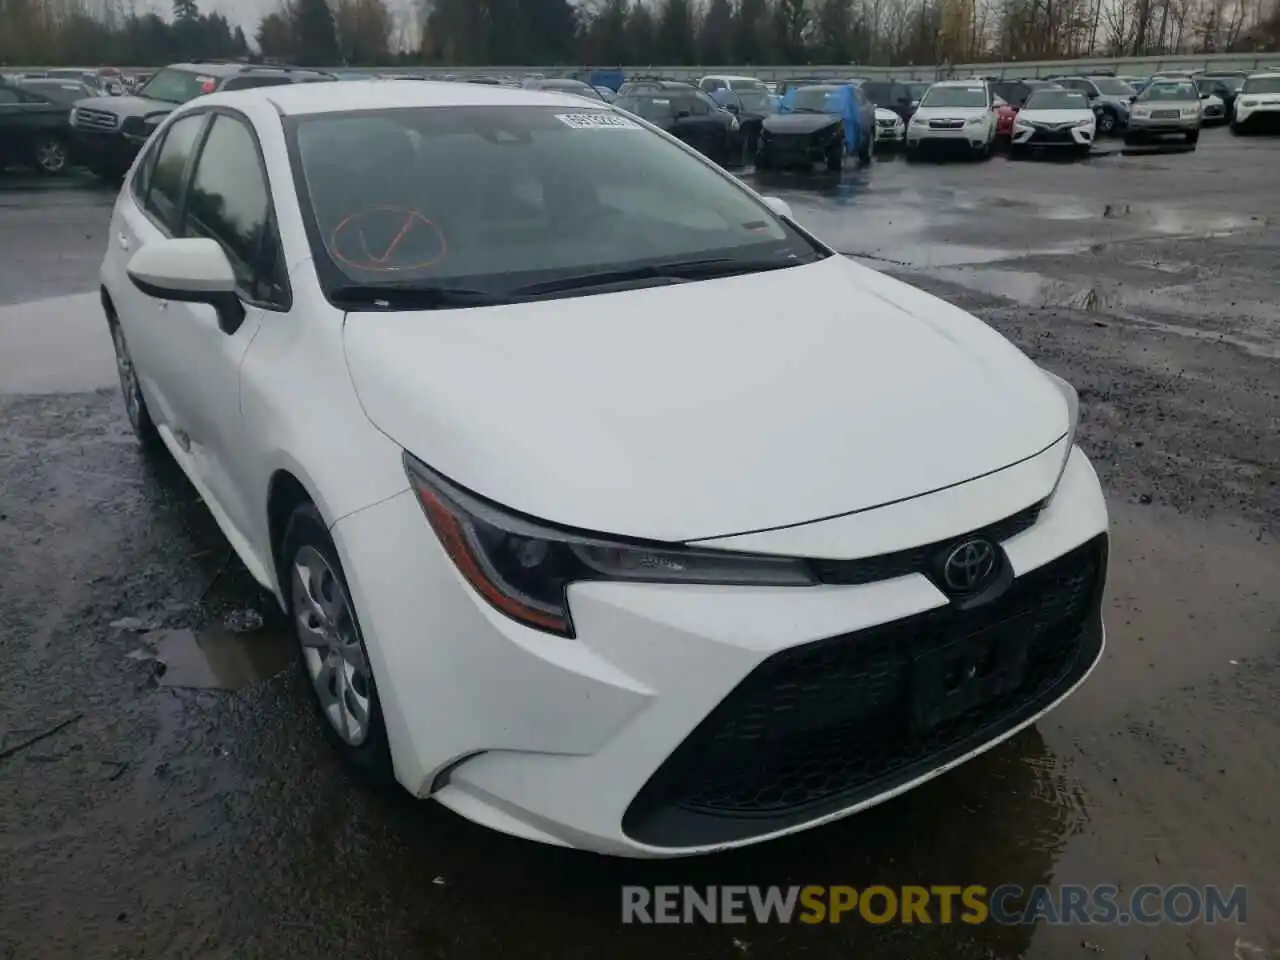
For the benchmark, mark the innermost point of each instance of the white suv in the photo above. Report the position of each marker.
(956, 113)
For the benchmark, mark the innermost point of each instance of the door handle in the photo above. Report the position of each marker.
(123, 241)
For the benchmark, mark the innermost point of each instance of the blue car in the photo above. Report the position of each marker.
(817, 123)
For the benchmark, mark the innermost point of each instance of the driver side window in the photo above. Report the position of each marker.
(229, 202)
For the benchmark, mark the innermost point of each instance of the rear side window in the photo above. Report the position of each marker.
(229, 202)
(169, 174)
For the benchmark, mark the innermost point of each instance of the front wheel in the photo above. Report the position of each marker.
(835, 159)
(1106, 122)
(1193, 136)
(1238, 130)
(335, 662)
(52, 155)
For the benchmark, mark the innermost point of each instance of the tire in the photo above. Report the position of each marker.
(316, 592)
(1193, 137)
(1106, 123)
(52, 155)
(1085, 151)
(1238, 130)
(1017, 152)
(1130, 140)
(835, 161)
(135, 404)
(865, 149)
(910, 153)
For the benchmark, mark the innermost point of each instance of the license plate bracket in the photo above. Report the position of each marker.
(952, 680)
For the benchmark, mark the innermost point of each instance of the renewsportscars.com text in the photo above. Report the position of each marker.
(1010, 904)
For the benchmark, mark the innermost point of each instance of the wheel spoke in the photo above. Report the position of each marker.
(325, 682)
(358, 708)
(343, 710)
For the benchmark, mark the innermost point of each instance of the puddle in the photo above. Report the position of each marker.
(59, 345)
(219, 658)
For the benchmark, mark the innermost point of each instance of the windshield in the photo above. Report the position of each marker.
(176, 86)
(917, 90)
(60, 92)
(755, 101)
(1262, 85)
(1169, 90)
(974, 96)
(655, 109)
(812, 99)
(495, 198)
(1057, 100)
(1111, 87)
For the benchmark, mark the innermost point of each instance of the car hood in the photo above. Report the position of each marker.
(1169, 104)
(1056, 116)
(950, 113)
(127, 106)
(709, 408)
(883, 114)
(1260, 97)
(784, 123)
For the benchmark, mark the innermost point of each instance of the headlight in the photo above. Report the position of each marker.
(919, 122)
(1023, 125)
(523, 567)
(974, 121)
(1073, 419)
(1141, 112)
(1248, 103)
(1191, 111)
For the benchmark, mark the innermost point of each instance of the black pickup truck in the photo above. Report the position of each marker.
(108, 132)
(33, 130)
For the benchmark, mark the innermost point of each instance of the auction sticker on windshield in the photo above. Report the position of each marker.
(596, 121)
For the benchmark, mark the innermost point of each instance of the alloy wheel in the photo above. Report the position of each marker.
(331, 647)
(51, 155)
(1106, 123)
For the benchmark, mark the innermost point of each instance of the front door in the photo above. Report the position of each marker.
(228, 202)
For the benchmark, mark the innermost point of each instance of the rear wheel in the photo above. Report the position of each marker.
(135, 406)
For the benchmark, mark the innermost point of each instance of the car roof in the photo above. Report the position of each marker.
(732, 77)
(959, 83)
(300, 99)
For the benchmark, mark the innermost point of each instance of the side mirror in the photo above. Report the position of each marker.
(778, 206)
(193, 270)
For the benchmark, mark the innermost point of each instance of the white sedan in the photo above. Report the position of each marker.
(1054, 119)
(890, 128)
(611, 508)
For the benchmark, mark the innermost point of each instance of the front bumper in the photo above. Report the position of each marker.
(1053, 137)
(1263, 116)
(671, 724)
(890, 132)
(1162, 126)
(775, 150)
(974, 136)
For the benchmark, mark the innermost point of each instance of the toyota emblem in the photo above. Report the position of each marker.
(969, 565)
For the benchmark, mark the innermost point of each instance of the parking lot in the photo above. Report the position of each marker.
(192, 810)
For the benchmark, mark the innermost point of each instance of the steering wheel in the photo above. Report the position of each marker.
(387, 239)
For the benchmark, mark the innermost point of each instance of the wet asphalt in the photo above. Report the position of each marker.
(185, 805)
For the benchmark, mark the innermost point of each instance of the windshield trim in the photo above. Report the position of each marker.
(331, 277)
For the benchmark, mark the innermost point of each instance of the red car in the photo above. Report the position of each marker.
(1005, 115)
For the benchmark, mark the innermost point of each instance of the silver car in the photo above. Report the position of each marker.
(1167, 107)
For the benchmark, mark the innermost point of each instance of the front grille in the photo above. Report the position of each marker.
(826, 725)
(96, 119)
(946, 124)
(1052, 135)
(886, 566)
(1164, 114)
(885, 123)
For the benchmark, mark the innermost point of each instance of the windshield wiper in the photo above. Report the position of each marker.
(411, 297)
(678, 272)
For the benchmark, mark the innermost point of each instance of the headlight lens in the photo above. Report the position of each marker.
(1248, 103)
(974, 121)
(1141, 112)
(1073, 419)
(523, 567)
(919, 122)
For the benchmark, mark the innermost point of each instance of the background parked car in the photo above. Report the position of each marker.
(564, 85)
(817, 123)
(1054, 119)
(751, 106)
(33, 130)
(1165, 108)
(1005, 113)
(1108, 96)
(890, 95)
(687, 113)
(1016, 92)
(108, 132)
(1257, 107)
(957, 114)
(1225, 88)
